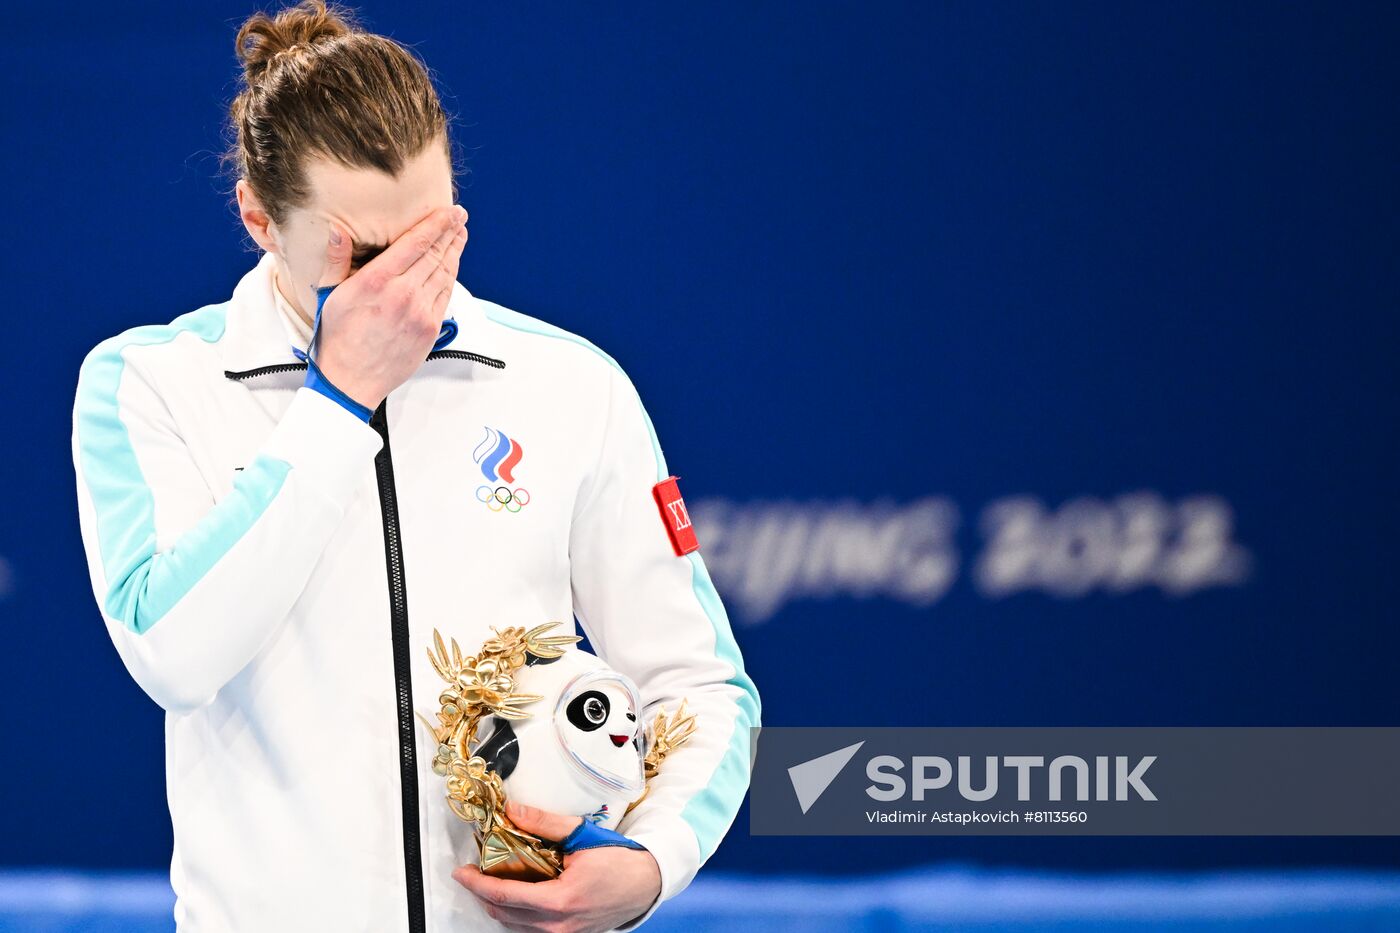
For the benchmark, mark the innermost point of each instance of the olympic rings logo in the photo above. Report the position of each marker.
(503, 498)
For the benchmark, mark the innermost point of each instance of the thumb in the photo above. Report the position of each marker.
(543, 823)
(337, 262)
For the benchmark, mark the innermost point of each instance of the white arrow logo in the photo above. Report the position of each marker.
(811, 778)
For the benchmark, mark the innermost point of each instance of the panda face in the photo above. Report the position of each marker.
(581, 750)
(602, 721)
(597, 723)
(592, 710)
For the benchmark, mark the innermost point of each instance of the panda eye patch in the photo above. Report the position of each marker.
(588, 711)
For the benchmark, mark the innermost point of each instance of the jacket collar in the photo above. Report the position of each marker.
(256, 334)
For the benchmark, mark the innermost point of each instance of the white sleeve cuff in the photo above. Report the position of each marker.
(325, 443)
(672, 842)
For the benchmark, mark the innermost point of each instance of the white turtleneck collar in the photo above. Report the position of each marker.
(298, 326)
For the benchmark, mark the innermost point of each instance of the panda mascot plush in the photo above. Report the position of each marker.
(581, 750)
(534, 719)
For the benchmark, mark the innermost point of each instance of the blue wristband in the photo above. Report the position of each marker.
(589, 835)
(322, 294)
(316, 380)
(449, 331)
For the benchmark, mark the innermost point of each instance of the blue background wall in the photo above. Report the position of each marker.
(854, 256)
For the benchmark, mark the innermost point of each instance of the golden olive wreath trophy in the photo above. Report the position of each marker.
(588, 755)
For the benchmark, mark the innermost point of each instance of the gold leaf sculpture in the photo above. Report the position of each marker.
(482, 685)
(665, 735)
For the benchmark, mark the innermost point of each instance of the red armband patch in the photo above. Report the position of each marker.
(675, 517)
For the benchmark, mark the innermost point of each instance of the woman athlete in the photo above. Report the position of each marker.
(281, 498)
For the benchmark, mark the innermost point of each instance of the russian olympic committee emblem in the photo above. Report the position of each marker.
(498, 456)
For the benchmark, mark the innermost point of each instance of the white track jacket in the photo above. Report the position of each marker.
(271, 568)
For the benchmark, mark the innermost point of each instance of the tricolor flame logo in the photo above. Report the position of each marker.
(498, 456)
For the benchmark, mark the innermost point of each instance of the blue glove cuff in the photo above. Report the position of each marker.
(322, 294)
(315, 379)
(589, 835)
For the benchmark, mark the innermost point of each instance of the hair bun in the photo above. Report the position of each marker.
(262, 38)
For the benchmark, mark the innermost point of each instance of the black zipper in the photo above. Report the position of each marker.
(435, 355)
(403, 681)
(398, 632)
